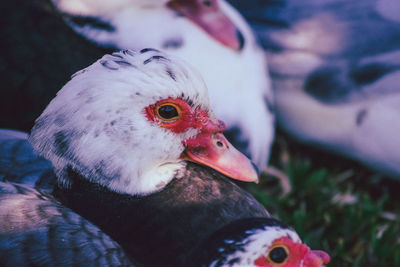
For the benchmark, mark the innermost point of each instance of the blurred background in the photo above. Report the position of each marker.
(335, 72)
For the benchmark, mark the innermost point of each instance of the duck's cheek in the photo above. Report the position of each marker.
(214, 151)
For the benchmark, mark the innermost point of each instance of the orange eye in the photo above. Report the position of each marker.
(168, 112)
(278, 255)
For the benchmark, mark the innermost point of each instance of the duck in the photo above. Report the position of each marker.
(264, 242)
(138, 152)
(211, 35)
(335, 70)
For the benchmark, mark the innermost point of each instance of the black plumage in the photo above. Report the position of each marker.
(37, 230)
(20, 164)
(166, 224)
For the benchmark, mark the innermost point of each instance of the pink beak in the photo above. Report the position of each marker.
(209, 16)
(214, 151)
(316, 258)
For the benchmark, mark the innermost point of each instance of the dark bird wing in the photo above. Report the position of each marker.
(20, 164)
(36, 230)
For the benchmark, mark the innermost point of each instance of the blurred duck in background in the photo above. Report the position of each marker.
(335, 68)
(211, 35)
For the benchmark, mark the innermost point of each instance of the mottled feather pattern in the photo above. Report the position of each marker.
(36, 230)
(106, 102)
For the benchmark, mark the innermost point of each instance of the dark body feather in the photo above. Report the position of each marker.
(37, 230)
(39, 55)
(167, 224)
(20, 164)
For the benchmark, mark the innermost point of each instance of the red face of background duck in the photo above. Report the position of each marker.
(286, 253)
(209, 147)
(207, 14)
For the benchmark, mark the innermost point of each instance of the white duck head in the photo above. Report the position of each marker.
(130, 120)
(263, 242)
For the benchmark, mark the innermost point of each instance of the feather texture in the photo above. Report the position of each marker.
(36, 230)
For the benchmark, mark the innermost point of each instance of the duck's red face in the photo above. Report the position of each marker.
(207, 14)
(286, 253)
(209, 147)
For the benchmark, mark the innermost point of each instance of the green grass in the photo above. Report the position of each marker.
(335, 205)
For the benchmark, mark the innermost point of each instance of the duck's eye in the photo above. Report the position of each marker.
(278, 254)
(168, 112)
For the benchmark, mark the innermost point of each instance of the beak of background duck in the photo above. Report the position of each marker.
(209, 16)
(214, 151)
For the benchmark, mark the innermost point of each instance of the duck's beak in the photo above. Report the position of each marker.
(316, 258)
(209, 17)
(214, 151)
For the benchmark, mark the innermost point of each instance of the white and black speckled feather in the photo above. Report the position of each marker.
(105, 116)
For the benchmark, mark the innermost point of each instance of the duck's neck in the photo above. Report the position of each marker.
(165, 223)
(146, 181)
